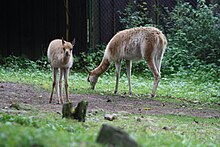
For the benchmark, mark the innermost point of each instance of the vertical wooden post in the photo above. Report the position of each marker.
(66, 4)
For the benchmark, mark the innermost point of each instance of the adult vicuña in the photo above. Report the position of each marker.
(147, 43)
(60, 56)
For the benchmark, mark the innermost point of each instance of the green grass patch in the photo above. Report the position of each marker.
(189, 87)
(46, 129)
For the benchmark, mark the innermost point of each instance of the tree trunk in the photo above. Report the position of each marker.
(66, 4)
(78, 113)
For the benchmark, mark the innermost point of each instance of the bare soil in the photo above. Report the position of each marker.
(38, 98)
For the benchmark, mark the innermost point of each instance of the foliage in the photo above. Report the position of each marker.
(90, 59)
(193, 39)
(23, 62)
(193, 36)
(134, 15)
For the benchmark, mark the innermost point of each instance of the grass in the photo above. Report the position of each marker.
(36, 128)
(32, 128)
(188, 87)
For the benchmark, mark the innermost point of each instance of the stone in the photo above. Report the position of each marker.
(110, 117)
(112, 136)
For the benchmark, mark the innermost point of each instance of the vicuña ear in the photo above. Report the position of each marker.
(63, 41)
(74, 41)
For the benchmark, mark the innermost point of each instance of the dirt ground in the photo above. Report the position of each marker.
(35, 97)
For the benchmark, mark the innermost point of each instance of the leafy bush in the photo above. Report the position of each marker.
(23, 62)
(134, 15)
(193, 39)
(90, 60)
(195, 31)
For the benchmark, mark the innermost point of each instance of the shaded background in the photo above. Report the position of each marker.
(28, 26)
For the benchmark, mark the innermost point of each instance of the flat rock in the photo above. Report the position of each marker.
(112, 136)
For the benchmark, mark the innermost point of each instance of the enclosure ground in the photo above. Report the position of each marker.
(37, 98)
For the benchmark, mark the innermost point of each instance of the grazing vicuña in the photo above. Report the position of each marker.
(147, 43)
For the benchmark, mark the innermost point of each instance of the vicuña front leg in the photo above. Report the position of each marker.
(54, 84)
(128, 69)
(118, 69)
(60, 100)
(66, 74)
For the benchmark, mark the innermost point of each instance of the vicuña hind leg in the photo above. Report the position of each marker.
(156, 75)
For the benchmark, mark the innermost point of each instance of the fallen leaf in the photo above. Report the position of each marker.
(146, 108)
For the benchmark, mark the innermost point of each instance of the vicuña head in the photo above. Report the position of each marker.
(93, 80)
(147, 43)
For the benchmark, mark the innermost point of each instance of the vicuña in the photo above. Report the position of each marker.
(147, 43)
(60, 56)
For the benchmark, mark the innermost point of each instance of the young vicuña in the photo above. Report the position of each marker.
(134, 44)
(60, 56)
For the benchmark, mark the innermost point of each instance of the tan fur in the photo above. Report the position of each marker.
(55, 54)
(134, 44)
(60, 57)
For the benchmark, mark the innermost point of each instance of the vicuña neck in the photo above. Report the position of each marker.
(101, 68)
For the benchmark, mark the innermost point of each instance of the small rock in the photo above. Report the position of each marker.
(110, 117)
(195, 102)
(168, 128)
(58, 112)
(183, 106)
(139, 119)
(89, 114)
(165, 128)
(93, 112)
(123, 96)
(15, 105)
(195, 121)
